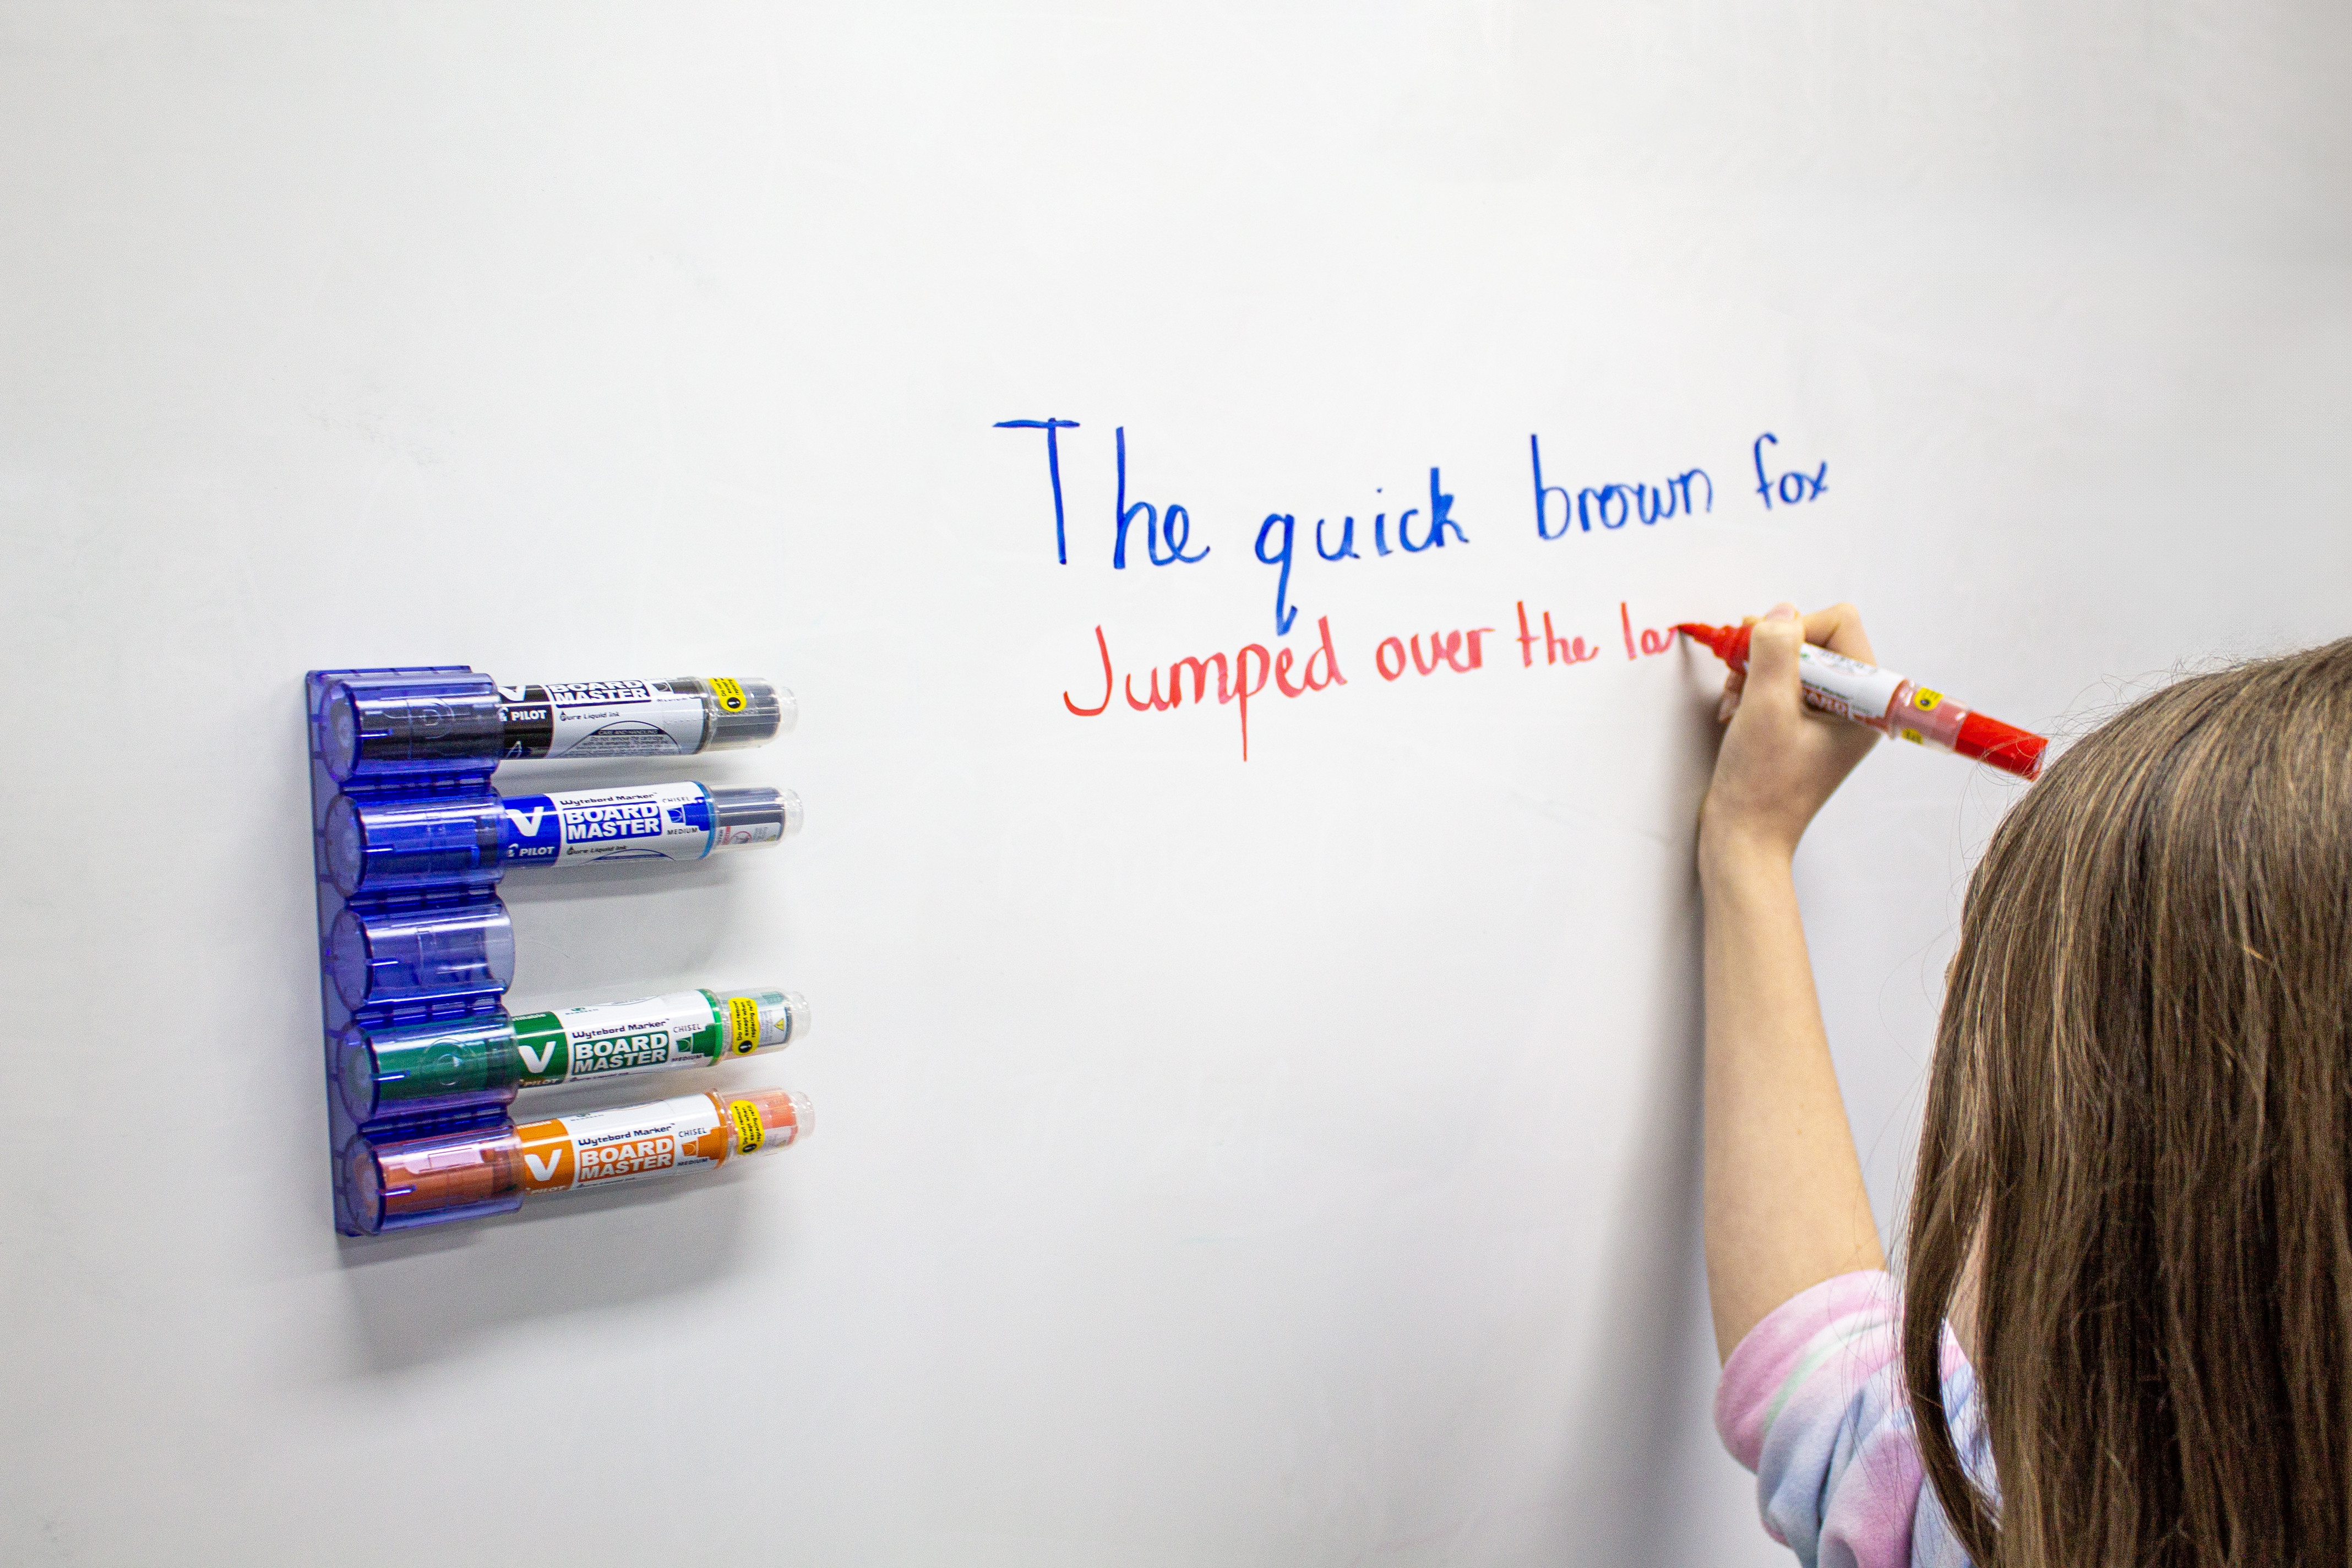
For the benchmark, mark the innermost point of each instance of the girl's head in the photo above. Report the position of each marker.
(2141, 1117)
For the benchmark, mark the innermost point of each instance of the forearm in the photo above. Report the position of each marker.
(1786, 1207)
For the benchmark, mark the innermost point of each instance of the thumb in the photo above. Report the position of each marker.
(1772, 645)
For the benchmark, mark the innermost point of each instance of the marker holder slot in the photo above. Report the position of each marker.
(438, 948)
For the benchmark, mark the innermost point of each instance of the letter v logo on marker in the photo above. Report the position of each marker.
(537, 1060)
(527, 821)
(544, 1173)
(511, 693)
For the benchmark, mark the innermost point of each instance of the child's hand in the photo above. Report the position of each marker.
(1779, 761)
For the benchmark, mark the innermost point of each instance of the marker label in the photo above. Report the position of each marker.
(604, 1148)
(655, 821)
(1845, 687)
(601, 718)
(614, 1039)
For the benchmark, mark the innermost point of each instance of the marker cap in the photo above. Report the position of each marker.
(785, 1116)
(752, 714)
(2004, 746)
(783, 1019)
(747, 818)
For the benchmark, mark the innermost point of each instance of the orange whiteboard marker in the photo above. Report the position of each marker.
(490, 1169)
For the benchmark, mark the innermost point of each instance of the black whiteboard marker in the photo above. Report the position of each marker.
(379, 733)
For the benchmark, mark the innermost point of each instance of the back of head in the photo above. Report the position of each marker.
(2141, 1114)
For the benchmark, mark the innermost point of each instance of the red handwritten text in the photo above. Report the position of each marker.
(1243, 675)
(1237, 682)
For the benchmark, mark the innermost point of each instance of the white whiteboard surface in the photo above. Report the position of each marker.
(1283, 1162)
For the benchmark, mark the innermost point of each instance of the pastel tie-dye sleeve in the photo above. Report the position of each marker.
(1812, 1400)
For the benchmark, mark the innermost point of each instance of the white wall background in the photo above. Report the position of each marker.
(1283, 1163)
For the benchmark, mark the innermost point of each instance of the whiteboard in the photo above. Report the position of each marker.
(1288, 1159)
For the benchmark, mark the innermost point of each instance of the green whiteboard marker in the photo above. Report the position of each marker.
(399, 1071)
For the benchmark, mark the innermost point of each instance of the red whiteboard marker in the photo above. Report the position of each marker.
(1890, 703)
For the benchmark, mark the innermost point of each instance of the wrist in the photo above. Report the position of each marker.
(1728, 857)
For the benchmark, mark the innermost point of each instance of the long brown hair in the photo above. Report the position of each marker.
(2141, 1112)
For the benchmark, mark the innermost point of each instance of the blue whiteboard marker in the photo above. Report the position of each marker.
(474, 839)
(642, 822)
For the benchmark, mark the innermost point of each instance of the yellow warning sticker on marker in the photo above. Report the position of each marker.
(750, 1131)
(729, 692)
(743, 1025)
(1927, 701)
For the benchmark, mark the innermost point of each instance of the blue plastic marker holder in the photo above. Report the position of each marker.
(408, 843)
(433, 947)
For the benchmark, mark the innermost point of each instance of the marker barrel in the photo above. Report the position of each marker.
(675, 716)
(397, 1183)
(384, 845)
(403, 1071)
(377, 730)
(1892, 704)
